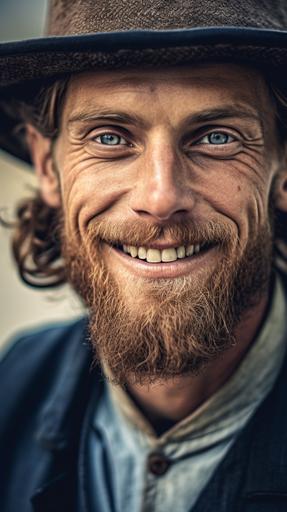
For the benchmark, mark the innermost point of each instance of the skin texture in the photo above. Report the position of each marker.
(164, 169)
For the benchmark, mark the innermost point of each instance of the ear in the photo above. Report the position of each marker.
(41, 155)
(281, 191)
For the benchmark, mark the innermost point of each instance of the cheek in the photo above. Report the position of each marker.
(91, 189)
(241, 198)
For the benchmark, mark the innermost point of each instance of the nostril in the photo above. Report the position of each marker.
(181, 212)
(161, 213)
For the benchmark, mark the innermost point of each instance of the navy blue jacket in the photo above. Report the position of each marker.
(48, 390)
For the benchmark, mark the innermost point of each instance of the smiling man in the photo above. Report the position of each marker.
(162, 200)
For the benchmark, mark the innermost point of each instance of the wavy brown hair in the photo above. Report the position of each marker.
(36, 240)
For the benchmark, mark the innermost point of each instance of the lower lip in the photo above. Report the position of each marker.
(178, 268)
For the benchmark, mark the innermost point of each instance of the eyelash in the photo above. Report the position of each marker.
(217, 132)
(113, 135)
(197, 142)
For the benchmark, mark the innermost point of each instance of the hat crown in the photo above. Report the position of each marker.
(88, 16)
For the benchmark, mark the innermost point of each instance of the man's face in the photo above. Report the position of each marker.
(165, 180)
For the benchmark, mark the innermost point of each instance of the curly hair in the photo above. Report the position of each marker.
(36, 239)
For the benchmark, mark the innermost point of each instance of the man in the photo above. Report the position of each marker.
(162, 200)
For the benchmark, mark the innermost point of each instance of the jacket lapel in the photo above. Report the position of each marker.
(59, 429)
(253, 477)
(54, 495)
(266, 476)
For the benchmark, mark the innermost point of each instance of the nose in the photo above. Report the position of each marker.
(163, 189)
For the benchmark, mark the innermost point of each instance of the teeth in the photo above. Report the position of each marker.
(153, 256)
(133, 251)
(190, 250)
(158, 256)
(180, 252)
(168, 255)
(142, 253)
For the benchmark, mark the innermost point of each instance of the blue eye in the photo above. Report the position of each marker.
(216, 138)
(110, 139)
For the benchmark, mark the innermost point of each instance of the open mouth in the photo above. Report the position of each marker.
(167, 255)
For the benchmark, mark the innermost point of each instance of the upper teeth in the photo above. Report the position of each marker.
(165, 255)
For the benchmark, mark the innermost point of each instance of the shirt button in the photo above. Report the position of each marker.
(158, 464)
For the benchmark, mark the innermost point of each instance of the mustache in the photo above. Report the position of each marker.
(139, 233)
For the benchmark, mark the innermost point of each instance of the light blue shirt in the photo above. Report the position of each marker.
(121, 440)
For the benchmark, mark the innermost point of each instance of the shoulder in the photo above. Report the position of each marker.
(34, 361)
(36, 344)
(45, 386)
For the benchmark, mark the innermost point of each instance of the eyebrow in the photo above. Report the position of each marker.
(227, 112)
(102, 113)
(207, 115)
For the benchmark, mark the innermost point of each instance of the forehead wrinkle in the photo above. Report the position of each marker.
(139, 81)
(151, 84)
(249, 107)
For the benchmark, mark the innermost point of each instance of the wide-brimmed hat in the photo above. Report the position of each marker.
(86, 35)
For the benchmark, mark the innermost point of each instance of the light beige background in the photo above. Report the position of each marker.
(20, 306)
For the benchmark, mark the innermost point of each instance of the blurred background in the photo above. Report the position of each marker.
(22, 307)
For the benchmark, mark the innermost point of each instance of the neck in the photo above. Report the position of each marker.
(166, 403)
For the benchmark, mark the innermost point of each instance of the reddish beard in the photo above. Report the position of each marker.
(187, 322)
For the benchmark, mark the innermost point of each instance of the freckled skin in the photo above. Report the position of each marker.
(164, 168)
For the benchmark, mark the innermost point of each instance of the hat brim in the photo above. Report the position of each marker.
(42, 58)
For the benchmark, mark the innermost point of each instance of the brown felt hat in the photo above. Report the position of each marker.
(112, 34)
